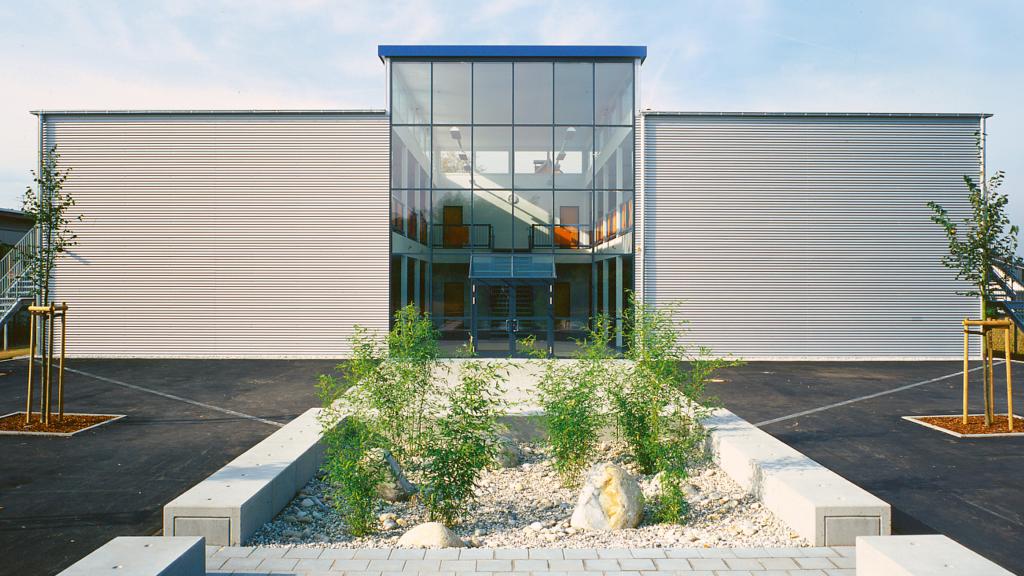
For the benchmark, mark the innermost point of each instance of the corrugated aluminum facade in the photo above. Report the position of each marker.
(224, 235)
(807, 236)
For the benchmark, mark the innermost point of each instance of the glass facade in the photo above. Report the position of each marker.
(512, 196)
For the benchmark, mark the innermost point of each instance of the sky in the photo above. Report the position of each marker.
(721, 55)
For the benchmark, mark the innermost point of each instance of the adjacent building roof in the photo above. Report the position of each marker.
(828, 114)
(509, 51)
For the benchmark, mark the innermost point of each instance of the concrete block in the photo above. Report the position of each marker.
(144, 556)
(213, 530)
(821, 506)
(251, 489)
(922, 555)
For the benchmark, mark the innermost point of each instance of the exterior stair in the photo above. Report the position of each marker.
(1006, 289)
(16, 288)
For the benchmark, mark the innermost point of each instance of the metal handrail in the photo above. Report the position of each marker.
(582, 239)
(14, 267)
(477, 235)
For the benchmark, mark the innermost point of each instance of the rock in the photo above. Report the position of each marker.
(387, 516)
(509, 454)
(389, 524)
(306, 503)
(397, 487)
(610, 499)
(430, 535)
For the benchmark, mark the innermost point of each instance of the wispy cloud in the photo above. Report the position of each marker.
(723, 54)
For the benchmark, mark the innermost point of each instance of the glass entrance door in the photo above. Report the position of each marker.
(507, 316)
(495, 318)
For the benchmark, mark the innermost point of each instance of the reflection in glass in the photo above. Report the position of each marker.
(573, 219)
(532, 212)
(450, 301)
(574, 93)
(614, 93)
(533, 92)
(526, 159)
(451, 92)
(492, 157)
(410, 92)
(613, 157)
(533, 157)
(492, 93)
(574, 147)
(493, 209)
(571, 295)
(613, 220)
(451, 156)
(410, 157)
(452, 214)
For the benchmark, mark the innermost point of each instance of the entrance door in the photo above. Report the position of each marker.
(507, 315)
(494, 308)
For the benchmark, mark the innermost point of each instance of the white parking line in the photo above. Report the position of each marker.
(176, 397)
(868, 396)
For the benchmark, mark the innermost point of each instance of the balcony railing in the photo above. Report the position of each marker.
(463, 236)
(570, 236)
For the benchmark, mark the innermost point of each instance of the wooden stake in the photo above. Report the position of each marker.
(49, 370)
(60, 372)
(1009, 386)
(31, 362)
(990, 387)
(967, 337)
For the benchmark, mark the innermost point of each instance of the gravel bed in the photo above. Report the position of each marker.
(525, 507)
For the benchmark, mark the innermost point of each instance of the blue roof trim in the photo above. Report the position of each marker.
(509, 51)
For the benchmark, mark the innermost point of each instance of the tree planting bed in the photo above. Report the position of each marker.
(69, 425)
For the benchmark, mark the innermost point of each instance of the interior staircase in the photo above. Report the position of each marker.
(15, 280)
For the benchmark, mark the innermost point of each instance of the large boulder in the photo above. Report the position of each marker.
(610, 499)
(430, 535)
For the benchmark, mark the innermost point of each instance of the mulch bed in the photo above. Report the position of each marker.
(70, 423)
(975, 424)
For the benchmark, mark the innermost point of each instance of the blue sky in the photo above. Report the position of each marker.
(750, 55)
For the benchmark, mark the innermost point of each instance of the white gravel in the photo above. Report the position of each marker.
(526, 507)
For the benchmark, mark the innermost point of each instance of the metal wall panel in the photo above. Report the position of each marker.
(807, 236)
(224, 235)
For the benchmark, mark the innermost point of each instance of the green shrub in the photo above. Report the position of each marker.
(354, 467)
(393, 382)
(659, 401)
(383, 403)
(571, 395)
(465, 441)
(670, 506)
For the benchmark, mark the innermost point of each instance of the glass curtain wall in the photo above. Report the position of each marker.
(512, 157)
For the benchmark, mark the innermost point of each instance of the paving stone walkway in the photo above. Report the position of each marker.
(310, 561)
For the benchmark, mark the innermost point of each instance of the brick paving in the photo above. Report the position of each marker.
(309, 561)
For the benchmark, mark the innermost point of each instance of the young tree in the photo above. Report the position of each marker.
(49, 205)
(984, 238)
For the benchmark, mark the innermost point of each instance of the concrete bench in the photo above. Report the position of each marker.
(144, 556)
(927, 555)
(818, 504)
(230, 505)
